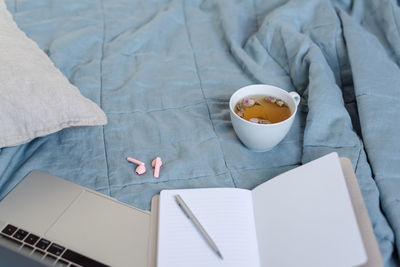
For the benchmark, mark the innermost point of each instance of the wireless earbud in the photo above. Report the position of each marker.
(156, 164)
(140, 169)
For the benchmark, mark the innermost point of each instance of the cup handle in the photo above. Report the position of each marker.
(296, 97)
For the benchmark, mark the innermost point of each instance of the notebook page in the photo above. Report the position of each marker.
(304, 217)
(227, 216)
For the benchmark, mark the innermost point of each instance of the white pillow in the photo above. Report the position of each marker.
(35, 98)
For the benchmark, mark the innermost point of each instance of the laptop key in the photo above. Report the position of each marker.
(43, 244)
(27, 249)
(20, 234)
(55, 249)
(80, 259)
(9, 240)
(38, 254)
(49, 259)
(31, 239)
(9, 229)
(61, 262)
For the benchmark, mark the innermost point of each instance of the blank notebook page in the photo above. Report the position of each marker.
(304, 217)
(227, 216)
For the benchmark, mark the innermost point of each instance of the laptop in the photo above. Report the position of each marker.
(51, 221)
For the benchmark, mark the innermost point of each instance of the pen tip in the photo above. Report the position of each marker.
(220, 255)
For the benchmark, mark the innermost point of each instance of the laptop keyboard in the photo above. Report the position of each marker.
(43, 249)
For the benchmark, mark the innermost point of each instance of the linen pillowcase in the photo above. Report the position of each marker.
(35, 97)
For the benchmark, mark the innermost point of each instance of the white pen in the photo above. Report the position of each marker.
(193, 218)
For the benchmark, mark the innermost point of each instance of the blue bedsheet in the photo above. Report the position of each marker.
(163, 72)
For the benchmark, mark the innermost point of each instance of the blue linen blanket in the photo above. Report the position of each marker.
(163, 72)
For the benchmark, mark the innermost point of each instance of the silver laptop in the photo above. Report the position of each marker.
(60, 223)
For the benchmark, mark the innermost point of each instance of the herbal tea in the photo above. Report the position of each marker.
(262, 109)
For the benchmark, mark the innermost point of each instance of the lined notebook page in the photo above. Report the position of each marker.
(227, 216)
(307, 213)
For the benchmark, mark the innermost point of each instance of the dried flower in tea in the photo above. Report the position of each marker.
(262, 109)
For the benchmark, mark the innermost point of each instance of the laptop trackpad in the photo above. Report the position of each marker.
(104, 229)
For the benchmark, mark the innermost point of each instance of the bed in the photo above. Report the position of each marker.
(163, 73)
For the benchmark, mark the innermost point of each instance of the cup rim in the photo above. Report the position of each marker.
(257, 124)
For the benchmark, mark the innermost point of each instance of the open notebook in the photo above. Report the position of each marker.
(303, 217)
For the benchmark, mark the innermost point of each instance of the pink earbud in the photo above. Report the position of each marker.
(140, 169)
(156, 164)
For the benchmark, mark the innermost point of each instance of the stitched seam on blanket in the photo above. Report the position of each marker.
(155, 110)
(337, 39)
(101, 91)
(359, 154)
(390, 97)
(328, 146)
(204, 176)
(201, 87)
(201, 176)
(166, 181)
(169, 108)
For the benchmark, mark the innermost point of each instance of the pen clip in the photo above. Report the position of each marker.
(184, 211)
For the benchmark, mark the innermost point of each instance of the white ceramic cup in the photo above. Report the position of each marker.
(262, 137)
